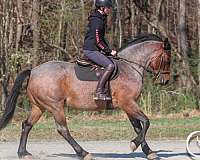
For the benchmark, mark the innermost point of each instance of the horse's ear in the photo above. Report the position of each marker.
(167, 45)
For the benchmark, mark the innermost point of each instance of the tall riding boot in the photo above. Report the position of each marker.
(100, 93)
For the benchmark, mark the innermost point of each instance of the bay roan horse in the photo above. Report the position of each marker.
(52, 84)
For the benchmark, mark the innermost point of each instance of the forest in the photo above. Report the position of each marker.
(36, 31)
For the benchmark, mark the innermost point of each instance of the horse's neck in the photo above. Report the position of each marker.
(137, 54)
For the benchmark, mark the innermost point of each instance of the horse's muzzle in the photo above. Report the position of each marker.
(161, 81)
(164, 81)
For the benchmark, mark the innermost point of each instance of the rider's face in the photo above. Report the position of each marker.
(107, 10)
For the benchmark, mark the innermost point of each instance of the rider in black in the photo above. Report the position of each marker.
(96, 48)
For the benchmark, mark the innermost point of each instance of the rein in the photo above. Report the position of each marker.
(128, 62)
(156, 76)
(132, 62)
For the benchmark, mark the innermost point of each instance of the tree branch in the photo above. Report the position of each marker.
(61, 49)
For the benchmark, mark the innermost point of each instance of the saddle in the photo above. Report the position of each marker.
(87, 70)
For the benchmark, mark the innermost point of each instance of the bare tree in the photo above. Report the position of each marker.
(83, 11)
(198, 23)
(119, 22)
(198, 10)
(186, 78)
(35, 23)
(5, 21)
(19, 23)
(60, 29)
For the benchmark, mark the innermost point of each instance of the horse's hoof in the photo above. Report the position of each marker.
(152, 156)
(133, 146)
(88, 157)
(27, 157)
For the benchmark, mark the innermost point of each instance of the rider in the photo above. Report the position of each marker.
(95, 46)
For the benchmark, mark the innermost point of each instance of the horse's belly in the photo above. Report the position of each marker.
(85, 102)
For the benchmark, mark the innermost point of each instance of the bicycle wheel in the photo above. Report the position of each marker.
(193, 144)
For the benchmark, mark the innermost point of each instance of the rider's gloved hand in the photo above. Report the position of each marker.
(113, 53)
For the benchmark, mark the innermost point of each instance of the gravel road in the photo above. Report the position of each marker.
(101, 150)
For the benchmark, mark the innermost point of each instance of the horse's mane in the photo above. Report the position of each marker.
(141, 38)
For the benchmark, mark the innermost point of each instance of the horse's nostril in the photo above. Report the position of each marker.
(162, 81)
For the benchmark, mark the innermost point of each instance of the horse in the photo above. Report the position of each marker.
(53, 84)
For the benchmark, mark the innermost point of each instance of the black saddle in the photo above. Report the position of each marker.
(86, 70)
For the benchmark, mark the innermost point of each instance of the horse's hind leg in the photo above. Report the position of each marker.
(63, 131)
(26, 127)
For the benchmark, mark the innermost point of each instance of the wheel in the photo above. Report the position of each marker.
(193, 144)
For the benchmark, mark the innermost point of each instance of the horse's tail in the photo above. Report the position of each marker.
(12, 98)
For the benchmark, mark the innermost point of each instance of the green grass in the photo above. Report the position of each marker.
(104, 128)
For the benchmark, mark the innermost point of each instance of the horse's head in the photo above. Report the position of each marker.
(160, 63)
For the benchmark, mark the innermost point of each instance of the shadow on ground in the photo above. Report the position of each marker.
(160, 153)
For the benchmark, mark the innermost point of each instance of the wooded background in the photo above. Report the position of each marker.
(35, 31)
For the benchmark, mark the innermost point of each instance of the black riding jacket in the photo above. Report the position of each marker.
(94, 38)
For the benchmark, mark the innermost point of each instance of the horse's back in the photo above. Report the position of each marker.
(51, 67)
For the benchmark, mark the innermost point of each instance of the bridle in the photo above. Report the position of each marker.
(162, 64)
(156, 74)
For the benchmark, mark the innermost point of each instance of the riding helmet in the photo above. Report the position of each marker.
(104, 3)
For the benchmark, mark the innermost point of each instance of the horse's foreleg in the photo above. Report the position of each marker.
(138, 128)
(63, 131)
(140, 139)
(26, 127)
(132, 110)
(141, 131)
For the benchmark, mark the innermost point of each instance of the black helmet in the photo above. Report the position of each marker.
(103, 3)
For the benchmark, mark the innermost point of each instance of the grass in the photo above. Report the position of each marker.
(106, 127)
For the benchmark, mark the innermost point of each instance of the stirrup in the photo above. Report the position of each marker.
(101, 96)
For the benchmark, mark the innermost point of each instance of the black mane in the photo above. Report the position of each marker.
(141, 38)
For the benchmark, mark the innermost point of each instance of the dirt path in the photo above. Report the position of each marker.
(101, 150)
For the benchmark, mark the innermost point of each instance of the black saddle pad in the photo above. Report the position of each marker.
(88, 73)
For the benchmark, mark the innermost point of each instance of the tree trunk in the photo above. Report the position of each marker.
(35, 22)
(4, 72)
(66, 56)
(60, 27)
(19, 23)
(198, 89)
(133, 20)
(199, 38)
(1, 32)
(153, 20)
(119, 22)
(186, 77)
(83, 12)
(182, 28)
(6, 27)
